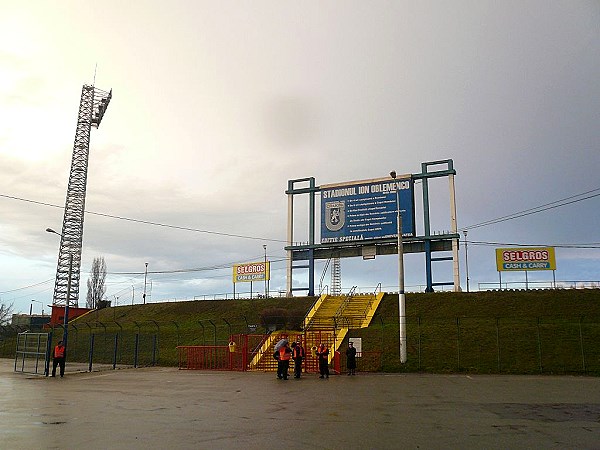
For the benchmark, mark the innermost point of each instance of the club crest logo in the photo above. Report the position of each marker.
(335, 215)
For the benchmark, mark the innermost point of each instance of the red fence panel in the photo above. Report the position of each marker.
(204, 357)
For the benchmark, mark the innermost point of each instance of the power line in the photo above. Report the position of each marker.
(589, 245)
(197, 269)
(148, 222)
(552, 205)
(27, 287)
(537, 209)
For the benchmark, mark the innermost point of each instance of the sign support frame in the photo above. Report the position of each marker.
(427, 243)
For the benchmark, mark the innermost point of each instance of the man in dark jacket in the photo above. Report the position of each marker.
(323, 354)
(351, 359)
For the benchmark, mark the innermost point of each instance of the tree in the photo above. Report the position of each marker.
(5, 313)
(96, 283)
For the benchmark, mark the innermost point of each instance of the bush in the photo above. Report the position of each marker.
(274, 318)
(103, 304)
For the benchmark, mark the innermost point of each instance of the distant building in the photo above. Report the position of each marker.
(32, 321)
(58, 314)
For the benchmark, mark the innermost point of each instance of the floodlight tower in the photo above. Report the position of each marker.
(92, 107)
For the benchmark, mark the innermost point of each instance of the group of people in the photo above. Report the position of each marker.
(284, 353)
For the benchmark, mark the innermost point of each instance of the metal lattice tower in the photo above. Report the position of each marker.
(92, 106)
(336, 277)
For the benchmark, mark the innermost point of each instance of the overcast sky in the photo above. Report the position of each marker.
(216, 105)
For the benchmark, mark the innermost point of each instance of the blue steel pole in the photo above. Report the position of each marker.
(66, 318)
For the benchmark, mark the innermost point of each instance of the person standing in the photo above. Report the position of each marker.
(351, 359)
(323, 355)
(298, 355)
(59, 359)
(283, 364)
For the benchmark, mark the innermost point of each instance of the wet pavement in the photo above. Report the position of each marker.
(149, 408)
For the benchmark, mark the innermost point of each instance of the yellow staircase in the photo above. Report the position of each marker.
(328, 321)
(338, 314)
(263, 358)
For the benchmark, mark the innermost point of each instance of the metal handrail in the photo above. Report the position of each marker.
(305, 325)
(349, 296)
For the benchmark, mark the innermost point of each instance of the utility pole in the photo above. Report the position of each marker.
(266, 275)
(145, 277)
(401, 297)
(466, 259)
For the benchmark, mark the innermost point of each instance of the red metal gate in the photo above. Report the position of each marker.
(243, 348)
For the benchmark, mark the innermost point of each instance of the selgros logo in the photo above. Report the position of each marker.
(255, 271)
(530, 258)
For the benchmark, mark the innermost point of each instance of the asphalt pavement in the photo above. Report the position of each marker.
(167, 408)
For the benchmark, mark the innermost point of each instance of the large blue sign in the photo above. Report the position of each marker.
(362, 211)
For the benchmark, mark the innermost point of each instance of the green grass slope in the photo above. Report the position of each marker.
(537, 331)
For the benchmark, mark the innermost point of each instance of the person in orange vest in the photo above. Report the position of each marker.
(59, 359)
(298, 355)
(323, 355)
(283, 363)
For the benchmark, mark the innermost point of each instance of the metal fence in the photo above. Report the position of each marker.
(32, 353)
(122, 349)
(505, 345)
(463, 344)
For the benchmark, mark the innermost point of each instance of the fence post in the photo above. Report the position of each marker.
(458, 342)
(581, 344)
(156, 325)
(419, 342)
(24, 349)
(76, 332)
(16, 352)
(203, 335)
(135, 354)
(228, 324)
(177, 326)
(115, 351)
(498, 344)
(37, 356)
(215, 335)
(91, 355)
(539, 343)
(48, 350)
(154, 350)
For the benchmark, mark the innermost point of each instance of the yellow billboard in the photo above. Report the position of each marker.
(525, 258)
(255, 271)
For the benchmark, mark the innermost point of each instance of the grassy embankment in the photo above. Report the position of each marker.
(483, 332)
